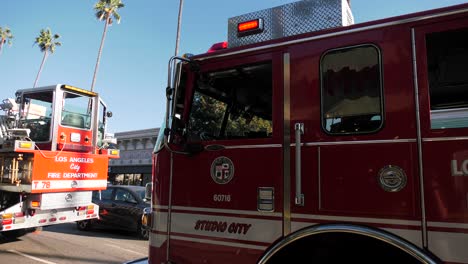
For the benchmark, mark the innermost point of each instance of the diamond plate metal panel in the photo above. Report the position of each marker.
(292, 19)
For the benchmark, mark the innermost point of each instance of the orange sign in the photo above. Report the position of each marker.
(66, 171)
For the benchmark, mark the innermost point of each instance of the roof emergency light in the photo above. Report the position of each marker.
(218, 46)
(250, 27)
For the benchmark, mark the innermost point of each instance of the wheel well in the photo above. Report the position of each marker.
(345, 244)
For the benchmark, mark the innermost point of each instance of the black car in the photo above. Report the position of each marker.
(120, 207)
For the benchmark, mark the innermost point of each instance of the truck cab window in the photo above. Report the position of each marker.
(232, 103)
(351, 90)
(447, 61)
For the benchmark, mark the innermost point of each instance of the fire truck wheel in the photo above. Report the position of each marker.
(143, 232)
(84, 225)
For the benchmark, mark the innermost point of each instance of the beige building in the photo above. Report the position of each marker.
(134, 165)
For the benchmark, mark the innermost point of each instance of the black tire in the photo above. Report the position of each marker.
(84, 225)
(143, 231)
(13, 234)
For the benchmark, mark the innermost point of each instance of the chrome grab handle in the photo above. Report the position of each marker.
(299, 129)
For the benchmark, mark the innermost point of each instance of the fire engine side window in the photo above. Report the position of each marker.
(447, 63)
(233, 103)
(351, 90)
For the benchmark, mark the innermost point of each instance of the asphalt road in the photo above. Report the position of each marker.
(60, 244)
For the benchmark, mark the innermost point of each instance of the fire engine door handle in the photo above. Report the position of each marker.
(299, 129)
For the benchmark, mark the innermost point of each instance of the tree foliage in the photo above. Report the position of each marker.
(46, 41)
(107, 9)
(5, 37)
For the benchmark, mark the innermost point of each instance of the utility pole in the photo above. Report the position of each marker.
(178, 28)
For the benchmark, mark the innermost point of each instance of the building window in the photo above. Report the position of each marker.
(447, 64)
(351, 90)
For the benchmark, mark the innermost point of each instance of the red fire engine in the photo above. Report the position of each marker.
(310, 138)
(54, 151)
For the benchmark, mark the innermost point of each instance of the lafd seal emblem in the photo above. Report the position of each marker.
(392, 178)
(222, 170)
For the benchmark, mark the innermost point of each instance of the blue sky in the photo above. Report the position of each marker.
(133, 71)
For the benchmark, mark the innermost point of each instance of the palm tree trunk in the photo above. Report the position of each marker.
(40, 68)
(1, 45)
(100, 52)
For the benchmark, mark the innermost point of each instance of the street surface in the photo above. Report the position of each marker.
(64, 244)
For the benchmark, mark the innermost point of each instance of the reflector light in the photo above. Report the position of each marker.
(42, 221)
(63, 218)
(20, 214)
(7, 227)
(19, 220)
(249, 27)
(52, 219)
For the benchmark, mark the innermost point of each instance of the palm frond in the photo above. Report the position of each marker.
(117, 17)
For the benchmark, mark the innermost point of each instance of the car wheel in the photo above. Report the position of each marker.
(143, 232)
(83, 225)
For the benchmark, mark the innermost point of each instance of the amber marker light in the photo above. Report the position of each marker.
(26, 145)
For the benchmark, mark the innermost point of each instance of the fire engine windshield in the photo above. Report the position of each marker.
(233, 103)
(76, 111)
(35, 114)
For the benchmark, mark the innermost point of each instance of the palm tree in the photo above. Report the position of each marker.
(5, 37)
(105, 10)
(46, 42)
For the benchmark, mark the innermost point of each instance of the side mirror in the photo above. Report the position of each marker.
(109, 114)
(148, 191)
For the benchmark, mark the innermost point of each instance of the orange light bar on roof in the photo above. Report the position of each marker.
(250, 27)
